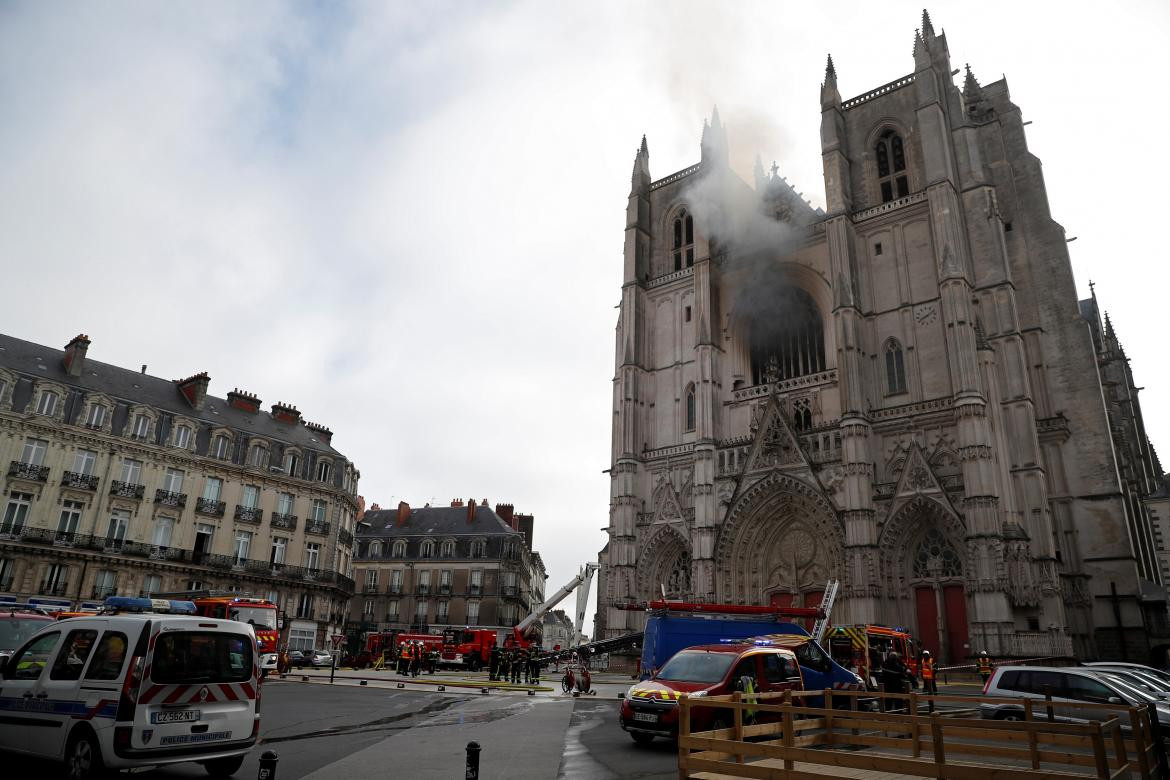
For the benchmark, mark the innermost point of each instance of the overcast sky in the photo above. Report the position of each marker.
(406, 219)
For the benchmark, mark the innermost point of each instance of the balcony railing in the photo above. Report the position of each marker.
(508, 590)
(126, 489)
(80, 481)
(28, 471)
(170, 498)
(424, 590)
(445, 589)
(395, 589)
(128, 548)
(317, 527)
(475, 590)
(53, 589)
(209, 507)
(371, 588)
(287, 522)
(249, 514)
(102, 591)
(345, 537)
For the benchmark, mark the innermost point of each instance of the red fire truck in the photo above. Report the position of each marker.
(260, 613)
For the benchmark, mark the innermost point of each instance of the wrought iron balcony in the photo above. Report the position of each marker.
(475, 590)
(249, 514)
(371, 588)
(317, 527)
(169, 498)
(345, 537)
(28, 471)
(209, 507)
(102, 591)
(287, 522)
(126, 489)
(445, 589)
(65, 538)
(80, 481)
(508, 590)
(424, 590)
(53, 589)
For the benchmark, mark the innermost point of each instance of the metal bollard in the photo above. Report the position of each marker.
(472, 761)
(267, 766)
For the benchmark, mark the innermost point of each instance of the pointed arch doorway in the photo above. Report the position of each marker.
(936, 575)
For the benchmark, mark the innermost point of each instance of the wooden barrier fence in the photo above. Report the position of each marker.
(790, 741)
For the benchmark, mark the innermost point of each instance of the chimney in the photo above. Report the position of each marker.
(505, 511)
(284, 413)
(403, 514)
(322, 432)
(470, 511)
(75, 354)
(457, 502)
(244, 401)
(194, 389)
(524, 525)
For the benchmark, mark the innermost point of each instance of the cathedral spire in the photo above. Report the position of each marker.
(921, 54)
(927, 27)
(830, 97)
(830, 71)
(713, 146)
(758, 174)
(640, 178)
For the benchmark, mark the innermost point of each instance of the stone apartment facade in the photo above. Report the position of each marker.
(901, 391)
(118, 482)
(427, 569)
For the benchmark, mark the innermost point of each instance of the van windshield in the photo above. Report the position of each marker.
(261, 617)
(201, 656)
(697, 666)
(13, 632)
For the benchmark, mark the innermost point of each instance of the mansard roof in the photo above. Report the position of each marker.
(436, 521)
(132, 387)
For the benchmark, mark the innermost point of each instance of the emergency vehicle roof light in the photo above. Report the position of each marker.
(165, 606)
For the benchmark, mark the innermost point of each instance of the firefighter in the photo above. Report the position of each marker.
(494, 663)
(402, 668)
(417, 658)
(894, 678)
(432, 661)
(533, 670)
(984, 667)
(929, 686)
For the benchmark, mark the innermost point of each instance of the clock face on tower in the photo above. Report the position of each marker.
(924, 315)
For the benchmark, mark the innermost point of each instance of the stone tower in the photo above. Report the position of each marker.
(899, 391)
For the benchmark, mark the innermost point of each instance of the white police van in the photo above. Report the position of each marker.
(142, 683)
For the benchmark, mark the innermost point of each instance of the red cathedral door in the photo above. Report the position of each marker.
(955, 615)
(812, 599)
(927, 618)
(782, 599)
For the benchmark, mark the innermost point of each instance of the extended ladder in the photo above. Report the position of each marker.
(819, 628)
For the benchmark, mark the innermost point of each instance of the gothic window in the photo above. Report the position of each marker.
(690, 408)
(683, 246)
(678, 579)
(788, 339)
(891, 166)
(895, 368)
(802, 414)
(936, 558)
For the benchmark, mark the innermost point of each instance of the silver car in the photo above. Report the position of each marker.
(1076, 684)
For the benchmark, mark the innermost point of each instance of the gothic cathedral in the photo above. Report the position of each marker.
(901, 392)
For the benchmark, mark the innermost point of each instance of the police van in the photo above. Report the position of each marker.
(142, 683)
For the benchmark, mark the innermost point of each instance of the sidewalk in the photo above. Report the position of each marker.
(523, 739)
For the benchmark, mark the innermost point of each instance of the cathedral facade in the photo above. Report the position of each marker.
(901, 392)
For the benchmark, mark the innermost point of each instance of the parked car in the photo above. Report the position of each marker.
(188, 691)
(1075, 684)
(1142, 668)
(1151, 685)
(319, 658)
(650, 708)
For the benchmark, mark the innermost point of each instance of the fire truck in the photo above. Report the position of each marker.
(864, 647)
(261, 613)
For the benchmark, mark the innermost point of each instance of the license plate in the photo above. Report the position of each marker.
(649, 717)
(174, 716)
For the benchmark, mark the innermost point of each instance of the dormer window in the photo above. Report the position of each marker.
(479, 549)
(375, 550)
(891, 167)
(47, 403)
(96, 417)
(292, 464)
(182, 436)
(447, 550)
(258, 456)
(141, 427)
(324, 471)
(427, 550)
(220, 446)
(683, 245)
(399, 549)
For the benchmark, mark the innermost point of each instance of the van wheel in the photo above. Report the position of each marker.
(223, 767)
(83, 758)
(641, 737)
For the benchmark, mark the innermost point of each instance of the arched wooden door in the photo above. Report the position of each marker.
(939, 598)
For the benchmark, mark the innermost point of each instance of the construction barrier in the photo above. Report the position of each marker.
(788, 741)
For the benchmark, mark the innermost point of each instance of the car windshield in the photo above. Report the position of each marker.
(697, 666)
(1131, 692)
(13, 631)
(261, 617)
(201, 656)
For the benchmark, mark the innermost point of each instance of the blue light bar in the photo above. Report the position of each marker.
(163, 606)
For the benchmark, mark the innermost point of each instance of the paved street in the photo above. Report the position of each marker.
(322, 732)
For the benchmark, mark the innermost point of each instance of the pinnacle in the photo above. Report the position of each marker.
(918, 42)
(644, 148)
(830, 71)
(927, 27)
(715, 116)
(970, 83)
